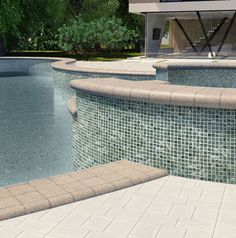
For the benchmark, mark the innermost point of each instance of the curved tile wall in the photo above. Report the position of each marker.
(190, 131)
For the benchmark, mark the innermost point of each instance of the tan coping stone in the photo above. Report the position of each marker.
(82, 175)
(70, 66)
(124, 183)
(29, 197)
(9, 202)
(183, 95)
(11, 212)
(228, 99)
(112, 177)
(48, 192)
(71, 187)
(91, 182)
(208, 97)
(37, 206)
(103, 188)
(63, 179)
(61, 200)
(97, 171)
(122, 167)
(139, 179)
(157, 174)
(79, 195)
(226, 64)
(158, 92)
(20, 189)
(103, 89)
(122, 92)
(82, 84)
(140, 93)
(162, 95)
(43, 194)
(4, 193)
(134, 175)
(42, 183)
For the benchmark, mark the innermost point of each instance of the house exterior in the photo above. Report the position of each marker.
(199, 27)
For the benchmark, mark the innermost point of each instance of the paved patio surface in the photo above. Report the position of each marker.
(163, 208)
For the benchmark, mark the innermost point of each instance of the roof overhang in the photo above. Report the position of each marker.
(145, 6)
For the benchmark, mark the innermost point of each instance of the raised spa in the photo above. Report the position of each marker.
(188, 130)
(203, 73)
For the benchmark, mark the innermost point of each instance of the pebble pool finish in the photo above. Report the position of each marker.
(35, 128)
(188, 141)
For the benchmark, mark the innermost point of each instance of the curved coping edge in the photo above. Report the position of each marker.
(157, 91)
(227, 64)
(70, 66)
(56, 59)
(75, 190)
(71, 106)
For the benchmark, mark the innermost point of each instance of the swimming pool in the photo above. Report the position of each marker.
(188, 130)
(35, 126)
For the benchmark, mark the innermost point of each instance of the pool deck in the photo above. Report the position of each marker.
(132, 66)
(41, 194)
(166, 207)
(163, 208)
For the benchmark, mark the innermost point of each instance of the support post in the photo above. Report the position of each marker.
(186, 35)
(153, 22)
(226, 33)
(205, 34)
(215, 32)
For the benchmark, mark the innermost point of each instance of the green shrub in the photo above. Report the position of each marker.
(84, 37)
(41, 40)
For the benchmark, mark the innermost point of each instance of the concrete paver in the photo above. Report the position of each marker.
(146, 210)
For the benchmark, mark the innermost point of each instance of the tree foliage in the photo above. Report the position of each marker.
(85, 37)
(25, 21)
(34, 24)
(10, 17)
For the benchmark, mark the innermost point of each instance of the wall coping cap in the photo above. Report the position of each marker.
(157, 91)
(201, 64)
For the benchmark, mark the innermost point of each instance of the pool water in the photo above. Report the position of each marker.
(35, 129)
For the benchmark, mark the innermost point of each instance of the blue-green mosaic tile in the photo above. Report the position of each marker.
(199, 77)
(191, 142)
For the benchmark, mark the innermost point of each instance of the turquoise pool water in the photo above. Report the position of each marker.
(35, 129)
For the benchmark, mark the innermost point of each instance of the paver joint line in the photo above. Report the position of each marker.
(60, 190)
